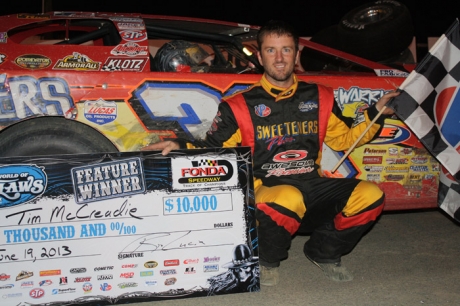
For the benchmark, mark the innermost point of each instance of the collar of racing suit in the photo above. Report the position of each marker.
(279, 93)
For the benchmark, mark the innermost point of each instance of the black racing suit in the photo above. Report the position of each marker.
(285, 129)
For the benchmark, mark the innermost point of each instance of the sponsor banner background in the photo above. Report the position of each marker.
(397, 162)
(113, 228)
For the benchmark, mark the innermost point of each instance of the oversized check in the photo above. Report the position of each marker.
(126, 227)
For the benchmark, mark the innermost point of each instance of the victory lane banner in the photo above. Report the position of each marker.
(115, 228)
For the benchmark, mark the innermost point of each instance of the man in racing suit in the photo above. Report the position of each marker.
(285, 122)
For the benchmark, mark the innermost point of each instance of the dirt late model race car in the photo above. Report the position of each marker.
(80, 82)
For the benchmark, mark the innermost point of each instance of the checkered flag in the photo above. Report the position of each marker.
(448, 195)
(429, 103)
(205, 162)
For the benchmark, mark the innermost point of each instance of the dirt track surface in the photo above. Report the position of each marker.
(406, 259)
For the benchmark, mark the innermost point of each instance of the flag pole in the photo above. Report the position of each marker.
(358, 140)
(401, 87)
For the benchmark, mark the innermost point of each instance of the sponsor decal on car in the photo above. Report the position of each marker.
(124, 64)
(419, 159)
(419, 168)
(391, 73)
(372, 160)
(406, 151)
(130, 24)
(355, 94)
(52, 92)
(373, 168)
(32, 61)
(130, 49)
(394, 177)
(396, 169)
(370, 151)
(133, 36)
(33, 16)
(77, 61)
(100, 111)
(75, 14)
(415, 178)
(3, 37)
(393, 151)
(2, 58)
(397, 161)
(4, 277)
(126, 19)
(373, 177)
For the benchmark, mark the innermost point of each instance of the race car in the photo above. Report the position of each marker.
(82, 82)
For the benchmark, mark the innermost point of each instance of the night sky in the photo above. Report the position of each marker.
(307, 16)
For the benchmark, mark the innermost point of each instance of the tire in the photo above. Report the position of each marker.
(312, 60)
(376, 30)
(52, 136)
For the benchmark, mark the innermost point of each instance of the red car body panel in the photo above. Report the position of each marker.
(111, 88)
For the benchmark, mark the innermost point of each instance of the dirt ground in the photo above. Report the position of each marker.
(409, 258)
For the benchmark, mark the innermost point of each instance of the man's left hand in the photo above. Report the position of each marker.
(384, 100)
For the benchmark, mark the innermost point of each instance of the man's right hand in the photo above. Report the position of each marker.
(164, 146)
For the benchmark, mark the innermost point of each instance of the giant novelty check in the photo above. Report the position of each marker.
(126, 227)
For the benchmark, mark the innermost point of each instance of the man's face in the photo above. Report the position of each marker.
(278, 56)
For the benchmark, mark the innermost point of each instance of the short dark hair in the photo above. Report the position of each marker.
(280, 28)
